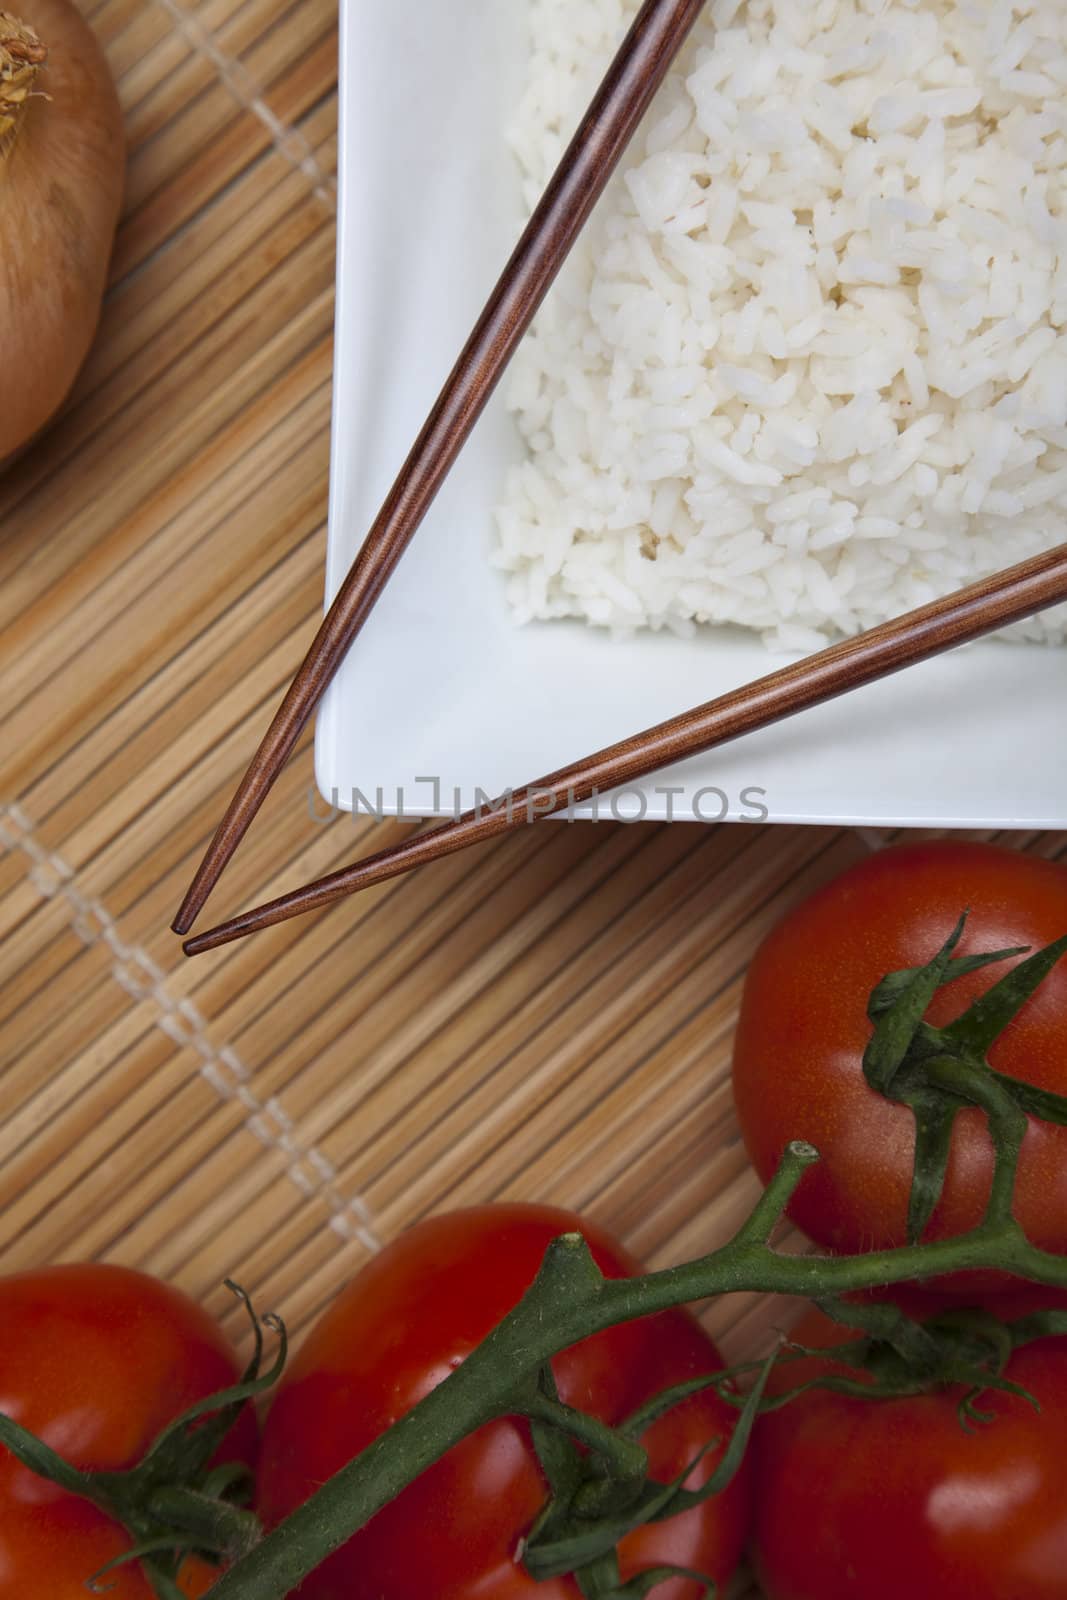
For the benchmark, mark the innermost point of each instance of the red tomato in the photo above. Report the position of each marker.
(95, 1360)
(411, 1316)
(803, 1029)
(196, 1578)
(876, 1499)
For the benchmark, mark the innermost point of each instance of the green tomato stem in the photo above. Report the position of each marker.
(1007, 1124)
(623, 1457)
(212, 1524)
(570, 1300)
(767, 1212)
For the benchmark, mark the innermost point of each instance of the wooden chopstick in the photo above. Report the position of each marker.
(638, 69)
(930, 630)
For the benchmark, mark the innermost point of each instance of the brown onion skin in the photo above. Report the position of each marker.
(61, 184)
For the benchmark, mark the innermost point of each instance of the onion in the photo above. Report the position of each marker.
(62, 161)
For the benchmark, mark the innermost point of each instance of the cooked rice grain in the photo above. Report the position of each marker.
(807, 368)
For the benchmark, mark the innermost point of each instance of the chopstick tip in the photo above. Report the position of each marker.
(207, 876)
(185, 917)
(224, 933)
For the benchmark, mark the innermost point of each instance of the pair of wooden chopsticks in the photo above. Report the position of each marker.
(636, 72)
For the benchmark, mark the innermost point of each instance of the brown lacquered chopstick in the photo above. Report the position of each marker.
(982, 607)
(634, 76)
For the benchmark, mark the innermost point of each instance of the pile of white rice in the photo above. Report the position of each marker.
(807, 367)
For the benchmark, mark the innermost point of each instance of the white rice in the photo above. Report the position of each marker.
(807, 367)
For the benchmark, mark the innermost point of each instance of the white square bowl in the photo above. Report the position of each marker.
(442, 695)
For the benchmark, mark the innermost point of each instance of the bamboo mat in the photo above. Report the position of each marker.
(549, 1019)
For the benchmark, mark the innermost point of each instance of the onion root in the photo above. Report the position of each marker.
(22, 55)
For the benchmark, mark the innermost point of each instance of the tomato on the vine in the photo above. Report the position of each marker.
(96, 1360)
(408, 1319)
(862, 1499)
(803, 1029)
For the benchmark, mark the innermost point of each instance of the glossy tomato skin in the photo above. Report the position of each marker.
(96, 1360)
(803, 1029)
(874, 1500)
(410, 1317)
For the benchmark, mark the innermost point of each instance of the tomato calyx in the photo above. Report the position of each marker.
(176, 1501)
(601, 1488)
(938, 1071)
(896, 1356)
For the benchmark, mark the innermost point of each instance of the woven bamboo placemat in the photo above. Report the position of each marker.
(550, 1019)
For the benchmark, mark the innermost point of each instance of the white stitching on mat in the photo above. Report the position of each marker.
(290, 142)
(143, 979)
